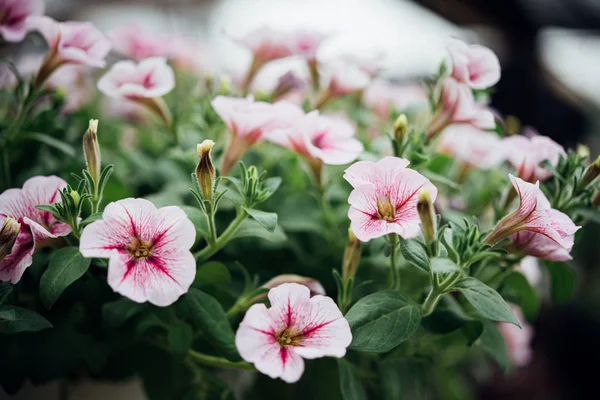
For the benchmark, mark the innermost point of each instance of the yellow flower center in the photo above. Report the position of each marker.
(385, 210)
(289, 337)
(139, 248)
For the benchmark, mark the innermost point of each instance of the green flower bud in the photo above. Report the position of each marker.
(426, 214)
(400, 127)
(351, 257)
(205, 171)
(91, 150)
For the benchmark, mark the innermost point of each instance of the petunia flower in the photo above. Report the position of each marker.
(457, 105)
(296, 326)
(475, 65)
(38, 228)
(13, 17)
(329, 139)
(535, 216)
(144, 83)
(248, 121)
(385, 197)
(527, 153)
(137, 43)
(148, 250)
(472, 147)
(518, 340)
(345, 78)
(70, 43)
(383, 96)
(313, 285)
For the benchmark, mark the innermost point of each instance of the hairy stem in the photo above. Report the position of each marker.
(218, 362)
(222, 240)
(394, 282)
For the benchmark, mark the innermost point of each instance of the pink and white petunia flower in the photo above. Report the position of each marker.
(383, 96)
(475, 65)
(70, 43)
(535, 216)
(148, 250)
(471, 146)
(151, 78)
(38, 228)
(346, 78)
(13, 17)
(385, 197)
(296, 326)
(518, 340)
(526, 153)
(137, 43)
(326, 138)
(457, 105)
(249, 121)
(313, 285)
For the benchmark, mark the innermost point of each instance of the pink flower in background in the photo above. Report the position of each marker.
(13, 17)
(371, 63)
(248, 121)
(288, 86)
(137, 43)
(346, 78)
(150, 78)
(73, 81)
(72, 42)
(37, 227)
(457, 105)
(527, 153)
(188, 54)
(384, 199)
(383, 96)
(518, 340)
(472, 146)
(477, 66)
(267, 44)
(148, 250)
(297, 326)
(313, 285)
(530, 268)
(306, 42)
(327, 138)
(535, 216)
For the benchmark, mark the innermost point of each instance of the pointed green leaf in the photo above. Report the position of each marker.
(212, 273)
(251, 228)
(16, 319)
(486, 300)
(415, 254)
(92, 218)
(66, 266)
(492, 341)
(350, 385)
(267, 220)
(116, 313)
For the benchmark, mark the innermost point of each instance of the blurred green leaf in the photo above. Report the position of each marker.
(251, 228)
(180, 338)
(563, 281)
(415, 254)
(16, 319)
(486, 300)
(116, 313)
(350, 385)
(66, 266)
(198, 219)
(92, 218)
(444, 266)
(49, 141)
(212, 273)
(492, 341)
(516, 289)
(5, 289)
(267, 220)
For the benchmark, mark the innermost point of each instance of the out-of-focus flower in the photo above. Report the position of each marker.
(313, 285)
(518, 340)
(371, 63)
(288, 86)
(346, 78)
(37, 227)
(296, 326)
(475, 65)
(535, 216)
(13, 17)
(8, 235)
(327, 138)
(73, 82)
(70, 43)
(530, 267)
(472, 147)
(248, 121)
(527, 153)
(148, 250)
(383, 96)
(188, 54)
(457, 105)
(137, 43)
(384, 199)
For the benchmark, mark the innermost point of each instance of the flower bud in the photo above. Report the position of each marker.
(591, 173)
(91, 150)
(75, 196)
(400, 127)
(583, 151)
(205, 171)
(426, 214)
(351, 257)
(8, 236)
(252, 180)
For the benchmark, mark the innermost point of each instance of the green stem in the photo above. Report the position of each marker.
(218, 362)
(394, 273)
(212, 229)
(240, 305)
(431, 301)
(222, 240)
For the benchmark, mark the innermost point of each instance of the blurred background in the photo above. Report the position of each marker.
(549, 51)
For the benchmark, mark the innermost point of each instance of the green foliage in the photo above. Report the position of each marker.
(66, 266)
(563, 281)
(350, 385)
(486, 300)
(16, 319)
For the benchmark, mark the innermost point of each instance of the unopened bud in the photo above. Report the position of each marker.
(351, 256)
(400, 127)
(252, 179)
(591, 173)
(205, 171)
(8, 236)
(224, 85)
(75, 196)
(426, 214)
(91, 150)
(512, 125)
(583, 151)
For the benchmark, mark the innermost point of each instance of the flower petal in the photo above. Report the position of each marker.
(14, 265)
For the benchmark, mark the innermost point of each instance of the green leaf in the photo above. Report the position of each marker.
(350, 385)
(198, 219)
(251, 228)
(267, 220)
(516, 289)
(49, 141)
(180, 338)
(270, 186)
(382, 320)
(206, 314)
(486, 300)
(432, 176)
(563, 281)
(66, 266)
(492, 341)
(415, 254)
(5, 289)
(16, 319)
(116, 313)
(212, 273)
(444, 266)
(92, 218)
